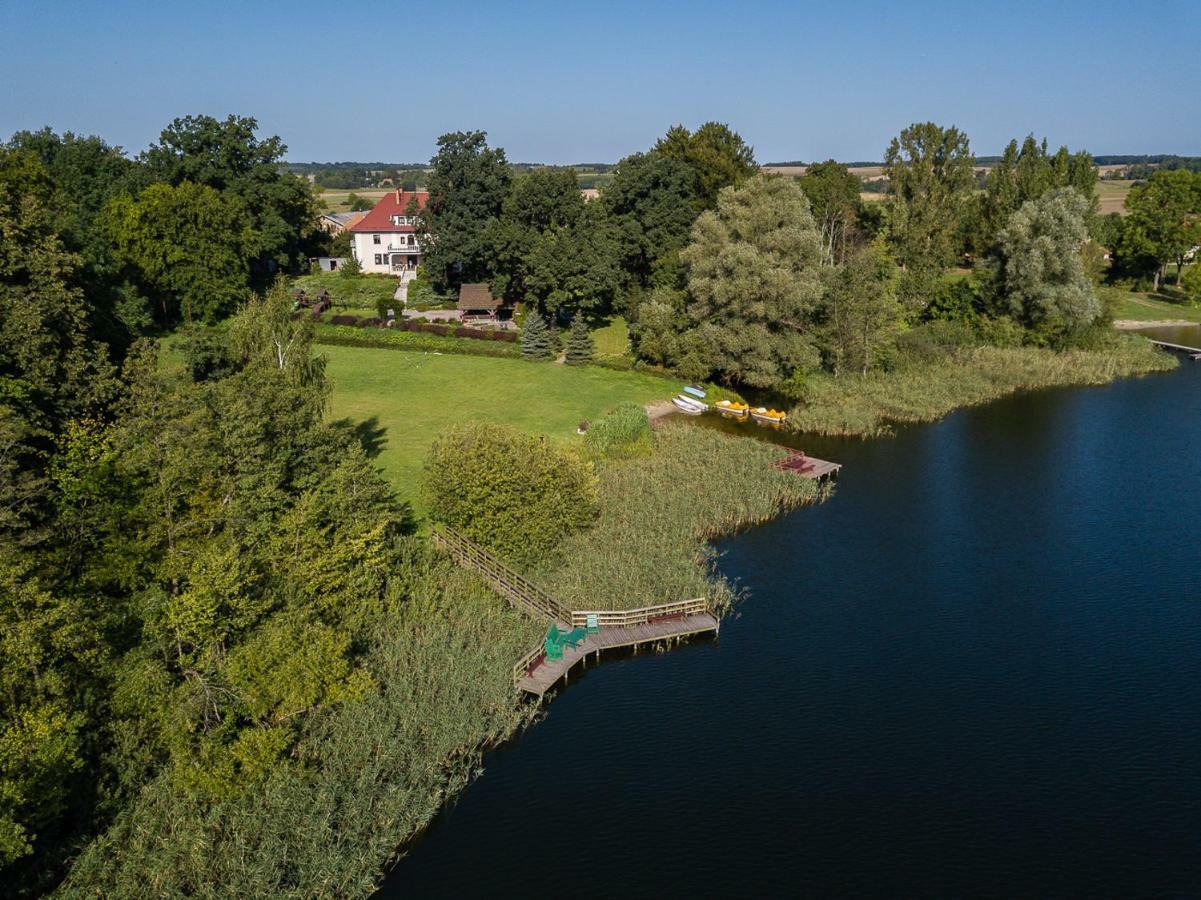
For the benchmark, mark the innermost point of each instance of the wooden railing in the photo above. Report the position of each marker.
(624, 618)
(522, 667)
(506, 581)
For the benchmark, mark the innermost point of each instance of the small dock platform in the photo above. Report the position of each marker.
(807, 466)
(541, 674)
(1193, 352)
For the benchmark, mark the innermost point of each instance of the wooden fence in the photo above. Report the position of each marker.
(507, 582)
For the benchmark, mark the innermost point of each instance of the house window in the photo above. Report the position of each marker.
(379, 259)
(375, 238)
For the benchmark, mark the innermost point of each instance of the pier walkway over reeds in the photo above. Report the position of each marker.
(534, 673)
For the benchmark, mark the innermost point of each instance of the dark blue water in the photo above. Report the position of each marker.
(975, 671)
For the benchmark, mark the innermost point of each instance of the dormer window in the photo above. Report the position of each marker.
(401, 220)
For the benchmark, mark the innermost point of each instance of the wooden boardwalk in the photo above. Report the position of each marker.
(1193, 352)
(541, 674)
(535, 674)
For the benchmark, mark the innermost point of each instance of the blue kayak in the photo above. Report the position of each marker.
(695, 390)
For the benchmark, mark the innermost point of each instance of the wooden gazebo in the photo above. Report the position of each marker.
(476, 302)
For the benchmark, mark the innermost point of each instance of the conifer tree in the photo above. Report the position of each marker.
(535, 338)
(580, 348)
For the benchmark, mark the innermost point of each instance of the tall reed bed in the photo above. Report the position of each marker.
(367, 777)
(649, 544)
(922, 392)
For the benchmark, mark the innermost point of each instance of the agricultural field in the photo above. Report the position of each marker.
(406, 398)
(1112, 195)
(332, 200)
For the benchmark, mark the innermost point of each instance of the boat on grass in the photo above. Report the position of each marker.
(688, 406)
(695, 390)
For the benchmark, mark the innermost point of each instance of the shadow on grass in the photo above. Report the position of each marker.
(369, 433)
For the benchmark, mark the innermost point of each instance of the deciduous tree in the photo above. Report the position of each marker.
(189, 246)
(468, 185)
(1042, 277)
(929, 171)
(861, 308)
(716, 153)
(753, 274)
(1165, 214)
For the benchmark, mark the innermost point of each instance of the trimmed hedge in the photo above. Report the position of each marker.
(415, 339)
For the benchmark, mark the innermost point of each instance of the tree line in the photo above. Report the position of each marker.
(762, 280)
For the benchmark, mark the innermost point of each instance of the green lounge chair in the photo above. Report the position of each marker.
(553, 645)
(574, 638)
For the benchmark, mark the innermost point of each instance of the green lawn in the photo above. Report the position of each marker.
(410, 397)
(1143, 308)
(613, 339)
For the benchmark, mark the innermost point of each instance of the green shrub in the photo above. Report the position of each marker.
(625, 431)
(516, 494)
(935, 340)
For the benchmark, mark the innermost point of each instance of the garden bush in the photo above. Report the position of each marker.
(516, 494)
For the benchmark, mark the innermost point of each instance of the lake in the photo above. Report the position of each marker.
(975, 670)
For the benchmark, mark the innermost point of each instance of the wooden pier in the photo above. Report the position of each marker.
(1193, 352)
(808, 466)
(534, 673)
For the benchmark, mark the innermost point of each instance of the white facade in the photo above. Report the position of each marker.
(385, 252)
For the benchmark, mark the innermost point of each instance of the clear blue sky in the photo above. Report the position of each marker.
(571, 82)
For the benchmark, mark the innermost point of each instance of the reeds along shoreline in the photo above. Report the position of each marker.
(649, 544)
(868, 405)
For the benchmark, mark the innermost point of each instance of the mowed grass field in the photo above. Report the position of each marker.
(406, 399)
(1137, 307)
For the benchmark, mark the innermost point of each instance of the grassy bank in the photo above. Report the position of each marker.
(1137, 307)
(363, 780)
(648, 546)
(868, 404)
(406, 399)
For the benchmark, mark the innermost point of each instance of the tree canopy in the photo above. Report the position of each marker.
(468, 186)
(228, 156)
(717, 155)
(1042, 277)
(929, 171)
(754, 277)
(187, 245)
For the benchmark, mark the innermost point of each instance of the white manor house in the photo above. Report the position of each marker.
(383, 241)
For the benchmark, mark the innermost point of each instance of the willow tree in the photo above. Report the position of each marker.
(754, 277)
(1042, 275)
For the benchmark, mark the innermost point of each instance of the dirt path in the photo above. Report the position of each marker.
(1134, 325)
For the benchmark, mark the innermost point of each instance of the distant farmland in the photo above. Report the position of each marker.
(1111, 193)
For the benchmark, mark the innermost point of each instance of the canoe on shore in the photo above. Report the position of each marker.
(688, 406)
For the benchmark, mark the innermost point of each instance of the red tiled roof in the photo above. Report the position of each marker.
(393, 203)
